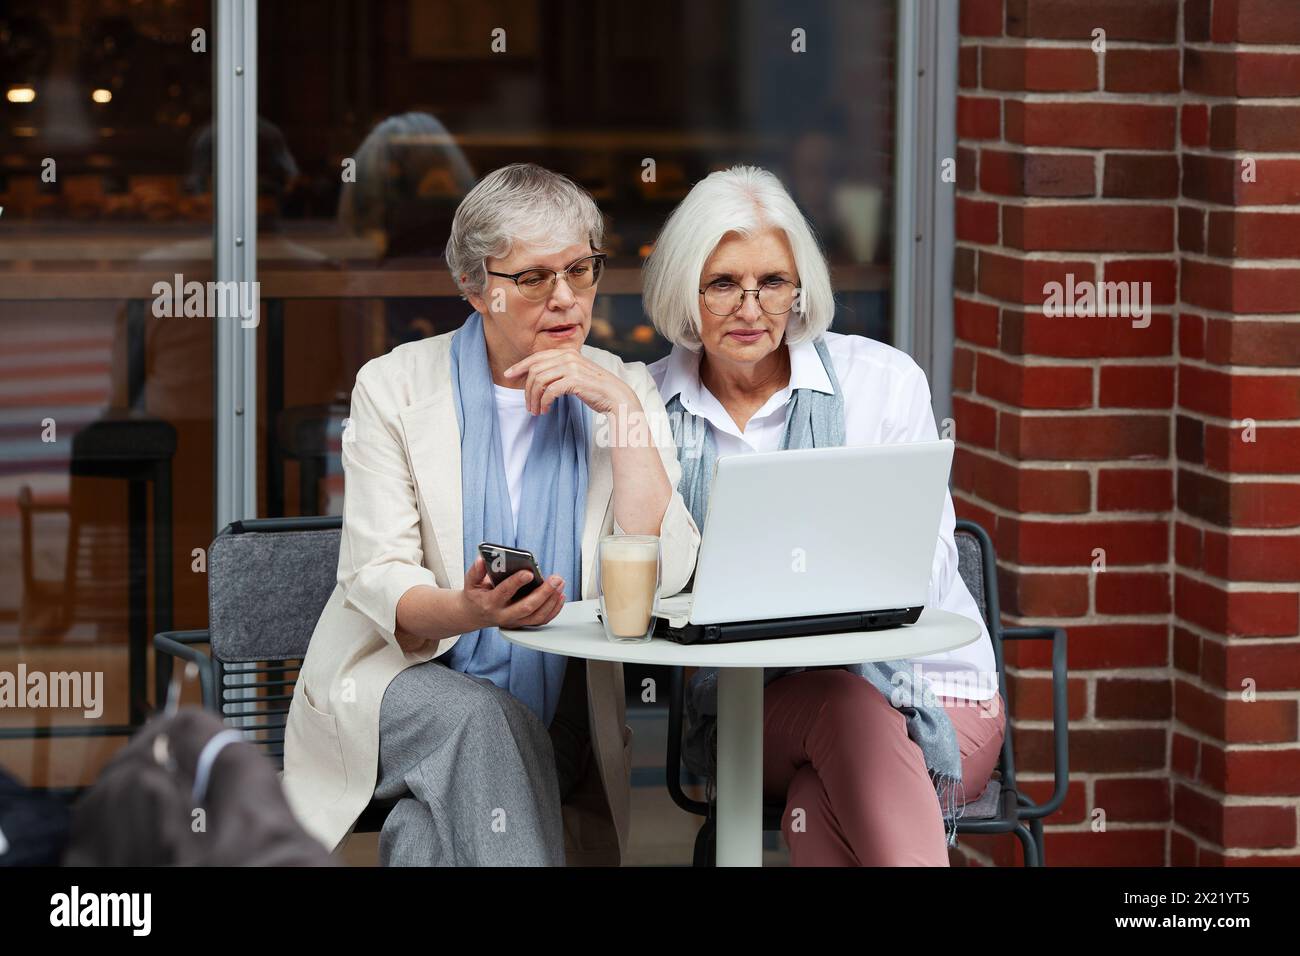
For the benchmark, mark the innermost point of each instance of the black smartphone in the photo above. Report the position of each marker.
(503, 562)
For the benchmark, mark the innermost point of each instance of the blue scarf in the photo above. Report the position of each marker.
(551, 505)
(816, 420)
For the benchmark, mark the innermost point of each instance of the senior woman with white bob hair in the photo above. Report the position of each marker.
(506, 430)
(738, 284)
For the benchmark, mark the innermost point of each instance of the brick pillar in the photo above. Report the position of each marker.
(1236, 762)
(1173, 450)
(1068, 165)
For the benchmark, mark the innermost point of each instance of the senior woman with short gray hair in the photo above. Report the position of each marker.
(506, 430)
(739, 285)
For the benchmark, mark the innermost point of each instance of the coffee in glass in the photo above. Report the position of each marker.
(629, 586)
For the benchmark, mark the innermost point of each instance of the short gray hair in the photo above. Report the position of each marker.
(521, 202)
(744, 200)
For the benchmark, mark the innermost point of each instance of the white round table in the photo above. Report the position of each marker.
(576, 632)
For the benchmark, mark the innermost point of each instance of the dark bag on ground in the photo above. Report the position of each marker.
(189, 791)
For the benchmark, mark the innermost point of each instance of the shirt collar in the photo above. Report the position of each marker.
(807, 370)
(682, 376)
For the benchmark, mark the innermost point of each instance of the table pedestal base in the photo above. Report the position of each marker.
(740, 767)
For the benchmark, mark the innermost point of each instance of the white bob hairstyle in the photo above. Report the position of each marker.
(744, 200)
(522, 202)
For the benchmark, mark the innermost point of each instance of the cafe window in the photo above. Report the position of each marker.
(106, 472)
(373, 118)
(377, 117)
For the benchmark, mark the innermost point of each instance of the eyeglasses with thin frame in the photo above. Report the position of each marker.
(724, 297)
(538, 284)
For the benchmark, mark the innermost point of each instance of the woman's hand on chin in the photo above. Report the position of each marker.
(551, 373)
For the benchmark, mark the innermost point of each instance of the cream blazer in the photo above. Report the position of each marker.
(402, 528)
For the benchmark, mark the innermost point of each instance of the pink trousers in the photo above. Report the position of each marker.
(856, 789)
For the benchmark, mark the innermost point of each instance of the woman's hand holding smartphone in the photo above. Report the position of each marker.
(499, 604)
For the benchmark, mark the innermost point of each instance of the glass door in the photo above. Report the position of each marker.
(378, 116)
(106, 410)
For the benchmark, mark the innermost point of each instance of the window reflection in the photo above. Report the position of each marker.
(377, 117)
(416, 99)
(106, 410)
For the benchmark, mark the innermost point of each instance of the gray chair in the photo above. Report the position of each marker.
(268, 582)
(1001, 808)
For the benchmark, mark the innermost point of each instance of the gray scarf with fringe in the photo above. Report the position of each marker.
(816, 420)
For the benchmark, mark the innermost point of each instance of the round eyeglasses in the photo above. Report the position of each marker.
(775, 297)
(538, 284)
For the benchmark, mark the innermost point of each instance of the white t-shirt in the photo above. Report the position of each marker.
(886, 401)
(516, 424)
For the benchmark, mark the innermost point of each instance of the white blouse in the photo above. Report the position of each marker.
(886, 401)
(517, 425)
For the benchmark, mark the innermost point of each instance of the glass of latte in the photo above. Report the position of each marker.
(629, 586)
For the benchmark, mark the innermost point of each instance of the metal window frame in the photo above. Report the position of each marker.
(925, 135)
(924, 233)
(235, 255)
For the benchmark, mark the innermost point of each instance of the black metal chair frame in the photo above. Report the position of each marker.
(1017, 813)
(268, 712)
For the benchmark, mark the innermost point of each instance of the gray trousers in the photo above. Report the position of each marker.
(479, 781)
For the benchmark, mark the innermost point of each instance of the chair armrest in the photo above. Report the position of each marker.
(1060, 717)
(178, 644)
(673, 768)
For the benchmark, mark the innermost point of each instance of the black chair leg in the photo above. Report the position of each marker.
(162, 680)
(1036, 828)
(705, 844)
(1027, 844)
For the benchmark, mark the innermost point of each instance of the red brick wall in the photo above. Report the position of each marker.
(1084, 433)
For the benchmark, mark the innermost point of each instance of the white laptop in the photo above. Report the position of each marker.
(814, 541)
